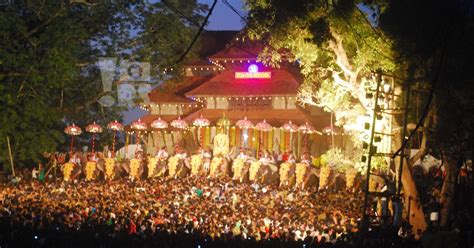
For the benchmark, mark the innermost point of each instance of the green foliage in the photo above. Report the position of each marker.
(48, 56)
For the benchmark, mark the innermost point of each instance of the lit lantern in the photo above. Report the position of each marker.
(93, 128)
(290, 127)
(72, 130)
(115, 126)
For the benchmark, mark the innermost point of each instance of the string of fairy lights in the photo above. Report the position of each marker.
(202, 101)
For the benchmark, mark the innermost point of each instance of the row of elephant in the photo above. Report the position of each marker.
(289, 174)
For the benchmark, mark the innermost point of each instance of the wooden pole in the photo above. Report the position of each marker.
(11, 156)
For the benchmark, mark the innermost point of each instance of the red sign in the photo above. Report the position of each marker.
(245, 75)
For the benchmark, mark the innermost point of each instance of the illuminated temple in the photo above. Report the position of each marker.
(226, 85)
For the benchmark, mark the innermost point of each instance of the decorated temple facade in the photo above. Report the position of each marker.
(229, 91)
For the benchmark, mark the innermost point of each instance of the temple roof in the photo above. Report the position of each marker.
(173, 90)
(281, 83)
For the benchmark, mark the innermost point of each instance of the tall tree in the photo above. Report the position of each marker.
(339, 44)
(48, 62)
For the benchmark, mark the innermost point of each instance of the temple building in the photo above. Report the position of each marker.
(228, 91)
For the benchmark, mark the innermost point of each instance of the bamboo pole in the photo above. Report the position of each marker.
(11, 156)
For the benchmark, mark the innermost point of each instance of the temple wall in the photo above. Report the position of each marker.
(211, 103)
(278, 103)
(291, 103)
(222, 103)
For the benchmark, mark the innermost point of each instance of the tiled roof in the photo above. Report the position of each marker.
(281, 83)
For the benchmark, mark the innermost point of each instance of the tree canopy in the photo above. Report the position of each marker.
(48, 62)
(424, 45)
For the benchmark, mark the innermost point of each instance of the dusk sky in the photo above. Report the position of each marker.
(222, 18)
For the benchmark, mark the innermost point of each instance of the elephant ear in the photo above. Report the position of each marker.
(316, 162)
(323, 160)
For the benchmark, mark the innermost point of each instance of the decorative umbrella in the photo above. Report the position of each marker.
(223, 122)
(201, 122)
(114, 126)
(93, 128)
(290, 127)
(159, 124)
(244, 123)
(178, 123)
(306, 128)
(263, 126)
(72, 130)
(138, 126)
(329, 130)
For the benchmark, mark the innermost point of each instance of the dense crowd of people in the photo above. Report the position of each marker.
(209, 209)
(215, 209)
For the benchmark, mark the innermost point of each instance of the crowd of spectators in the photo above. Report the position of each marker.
(186, 212)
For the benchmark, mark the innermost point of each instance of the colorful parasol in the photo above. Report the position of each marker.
(244, 123)
(179, 123)
(201, 122)
(290, 127)
(138, 126)
(223, 122)
(306, 128)
(115, 126)
(159, 124)
(93, 128)
(72, 130)
(329, 130)
(263, 126)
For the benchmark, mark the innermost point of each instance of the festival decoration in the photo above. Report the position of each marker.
(72, 130)
(93, 128)
(138, 126)
(263, 126)
(329, 130)
(223, 122)
(109, 168)
(159, 124)
(350, 177)
(90, 169)
(215, 163)
(237, 167)
(115, 126)
(173, 165)
(152, 162)
(306, 128)
(254, 168)
(201, 122)
(284, 169)
(300, 171)
(67, 170)
(196, 163)
(179, 123)
(324, 176)
(290, 127)
(134, 167)
(221, 145)
(244, 123)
